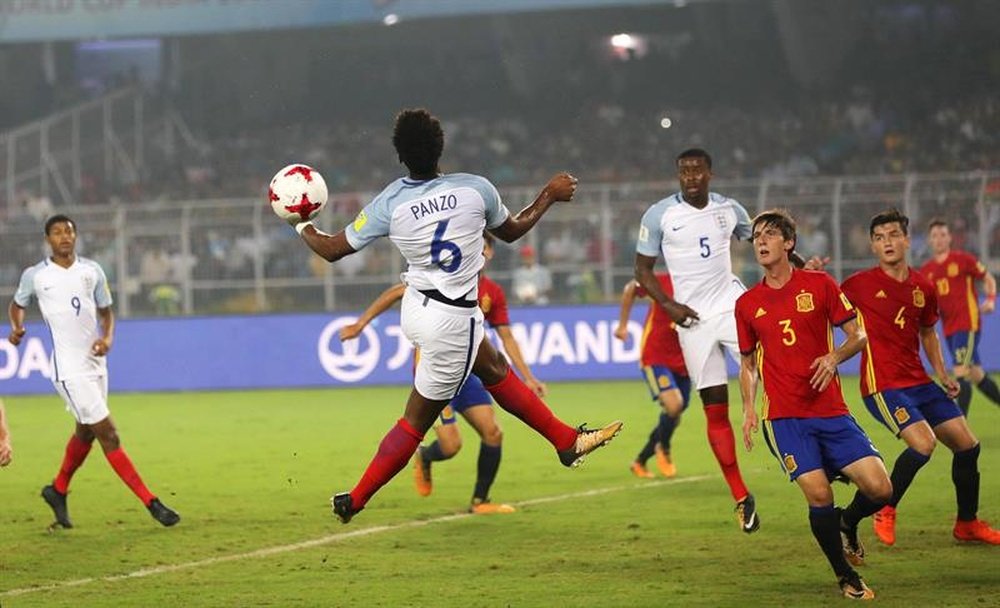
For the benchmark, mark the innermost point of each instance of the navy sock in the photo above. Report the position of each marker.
(903, 472)
(965, 476)
(666, 428)
(860, 508)
(989, 388)
(647, 450)
(964, 397)
(825, 524)
(486, 470)
(433, 453)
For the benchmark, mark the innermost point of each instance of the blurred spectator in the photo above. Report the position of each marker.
(532, 281)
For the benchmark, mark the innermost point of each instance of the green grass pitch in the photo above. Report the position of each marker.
(252, 471)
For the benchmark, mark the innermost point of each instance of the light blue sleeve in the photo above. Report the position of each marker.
(371, 223)
(742, 230)
(651, 231)
(496, 212)
(102, 292)
(26, 287)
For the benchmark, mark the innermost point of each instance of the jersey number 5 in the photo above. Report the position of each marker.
(705, 249)
(445, 254)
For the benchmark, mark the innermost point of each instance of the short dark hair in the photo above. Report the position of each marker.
(695, 153)
(780, 219)
(58, 219)
(889, 216)
(418, 139)
(935, 222)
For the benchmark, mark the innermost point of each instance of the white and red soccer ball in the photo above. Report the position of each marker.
(297, 192)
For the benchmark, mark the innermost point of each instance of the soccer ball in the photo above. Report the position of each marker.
(297, 192)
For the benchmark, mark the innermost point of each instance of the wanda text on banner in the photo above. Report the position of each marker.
(287, 351)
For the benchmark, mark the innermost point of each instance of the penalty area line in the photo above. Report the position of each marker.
(333, 538)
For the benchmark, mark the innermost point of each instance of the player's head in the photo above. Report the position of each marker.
(488, 249)
(419, 141)
(60, 233)
(773, 235)
(938, 236)
(694, 172)
(889, 232)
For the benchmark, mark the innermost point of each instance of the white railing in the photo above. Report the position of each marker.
(234, 256)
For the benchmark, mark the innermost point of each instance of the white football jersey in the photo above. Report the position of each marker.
(69, 299)
(437, 225)
(696, 247)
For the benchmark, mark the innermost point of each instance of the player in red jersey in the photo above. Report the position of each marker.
(662, 366)
(785, 327)
(472, 401)
(898, 309)
(954, 275)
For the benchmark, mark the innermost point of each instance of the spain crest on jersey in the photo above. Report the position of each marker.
(804, 302)
(790, 464)
(953, 269)
(918, 298)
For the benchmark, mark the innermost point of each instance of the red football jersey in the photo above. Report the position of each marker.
(493, 302)
(892, 313)
(955, 281)
(660, 344)
(789, 328)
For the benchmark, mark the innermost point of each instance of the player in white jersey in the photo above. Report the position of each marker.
(436, 221)
(694, 230)
(75, 301)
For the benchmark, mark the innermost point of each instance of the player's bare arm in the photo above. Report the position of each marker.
(16, 315)
(6, 451)
(990, 291)
(932, 348)
(559, 189)
(517, 359)
(748, 392)
(330, 247)
(381, 304)
(681, 314)
(628, 298)
(826, 366)
(102, 345)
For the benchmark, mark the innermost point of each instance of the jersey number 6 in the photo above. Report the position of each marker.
(446, 262)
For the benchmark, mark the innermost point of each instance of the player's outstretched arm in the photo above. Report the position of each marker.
(6, 451)
(932, 348)
(381, 304)
(748, 392)
(681, 314)
(826, 366)
(330, 247)
(16, 315)
(560, 188)
(628, 298)
(517, 359)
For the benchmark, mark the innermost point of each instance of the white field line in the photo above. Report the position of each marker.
(332, 538)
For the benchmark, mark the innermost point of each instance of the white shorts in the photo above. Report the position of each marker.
(86, 397)
(704, 345)
(448, 339)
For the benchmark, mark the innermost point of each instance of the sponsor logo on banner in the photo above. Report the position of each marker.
(351, 360)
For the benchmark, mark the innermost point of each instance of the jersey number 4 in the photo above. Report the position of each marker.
(445, 254)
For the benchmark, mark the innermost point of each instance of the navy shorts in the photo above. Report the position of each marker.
(660, 378)
(964, 347)
(472, 393)
(901, 407)
(809, 444)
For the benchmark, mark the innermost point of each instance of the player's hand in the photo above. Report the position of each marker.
(6, 452)
(682, 314)
(561, 187)
(749, 426)
(100, 347)
(15, 336)
(621, 332)
(825, 369)
(988, 306)
(816, 263)
(351, 331)
(537, 387)
(950, 386)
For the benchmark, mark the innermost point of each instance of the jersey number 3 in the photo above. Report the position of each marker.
(445, 254)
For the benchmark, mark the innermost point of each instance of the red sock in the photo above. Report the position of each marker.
(393, 453)
(514, 396)
(720, 437)
(76, 453)
(122, 465)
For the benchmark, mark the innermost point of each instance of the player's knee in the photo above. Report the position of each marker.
(976, 374)
(492, 435)
(450, 446)
(924, 444)
(671, 403)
